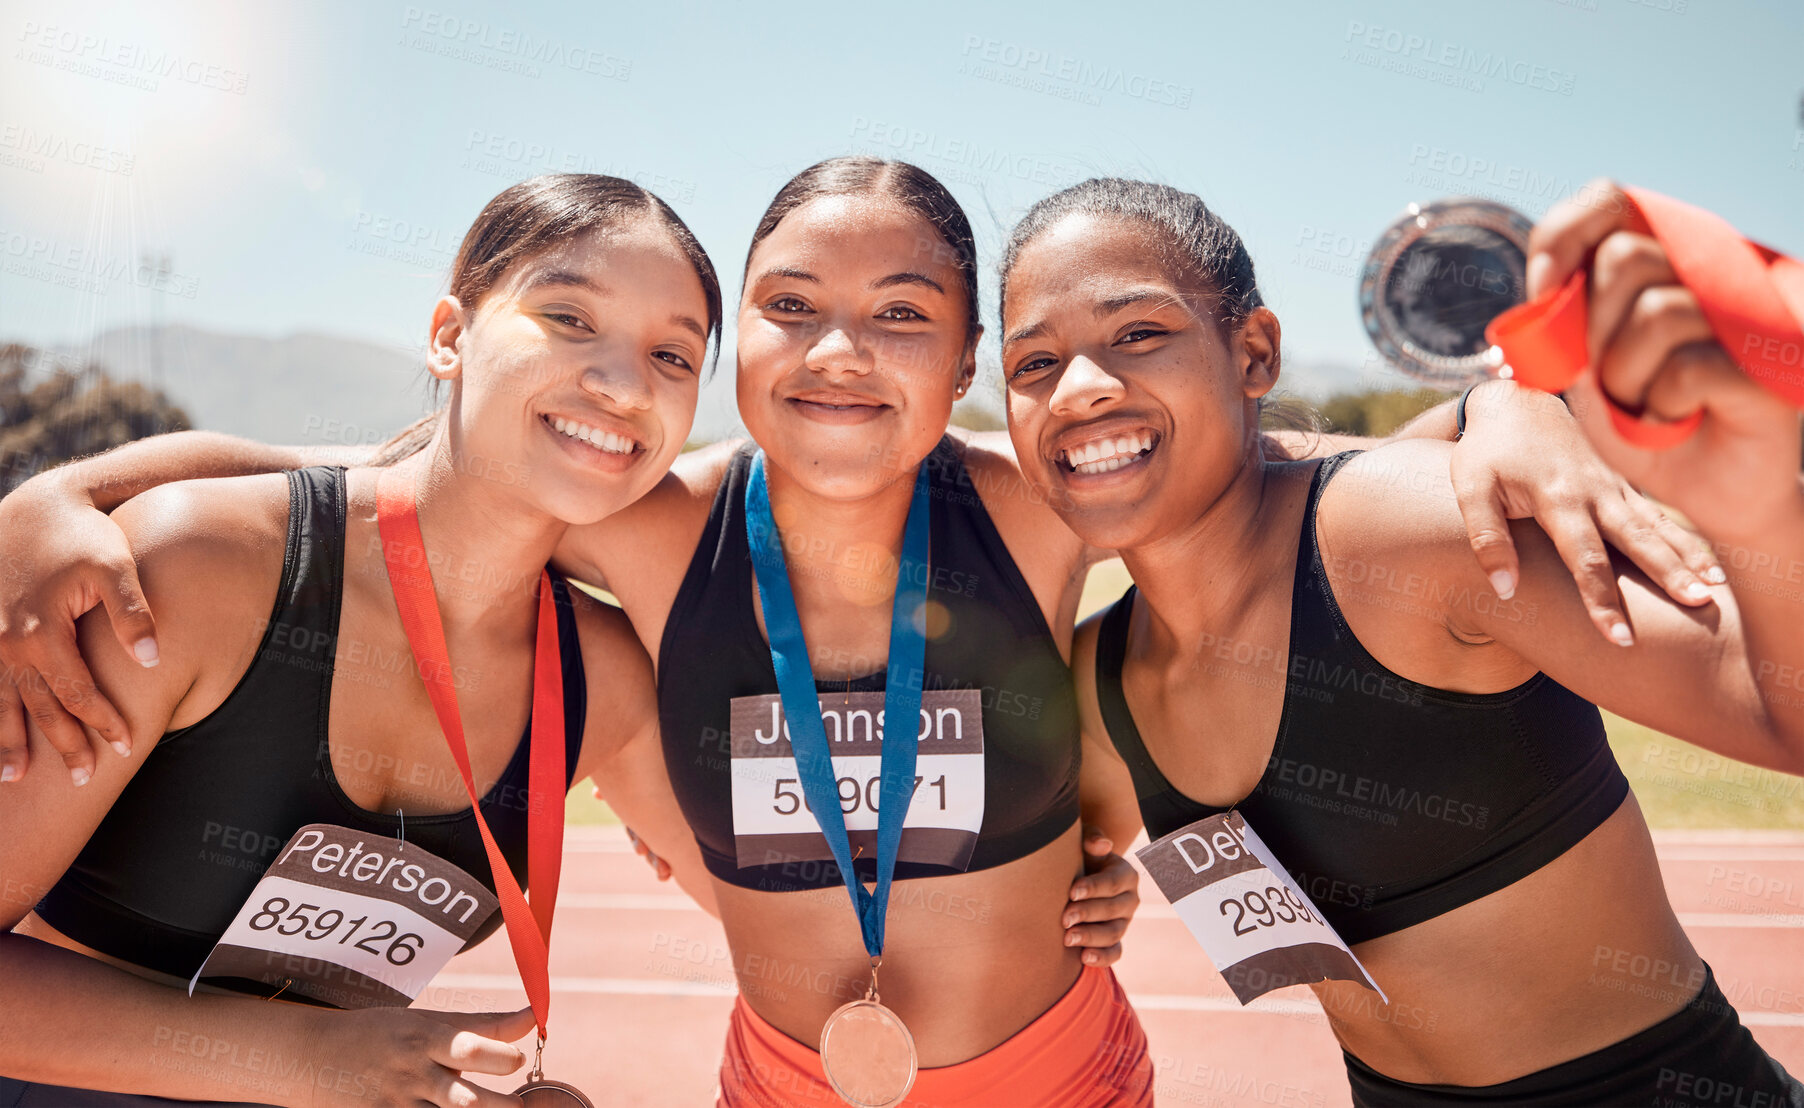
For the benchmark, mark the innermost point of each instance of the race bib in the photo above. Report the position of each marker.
(350, 919)
(772, 821)
(1258, 927)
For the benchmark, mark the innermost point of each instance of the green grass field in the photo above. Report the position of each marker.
(1678, 784)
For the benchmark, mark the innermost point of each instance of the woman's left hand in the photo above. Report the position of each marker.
(1102, 901)
(1524, 457)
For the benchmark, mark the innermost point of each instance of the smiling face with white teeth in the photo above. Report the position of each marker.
(853, 343)
(1127, 404)
(578, 373)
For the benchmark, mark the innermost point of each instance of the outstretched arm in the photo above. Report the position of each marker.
(1725, 677)
(46, 587)
(1523, 456)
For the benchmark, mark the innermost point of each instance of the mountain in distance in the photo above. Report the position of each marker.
(332, 390)
(306, 389)
(303, 388)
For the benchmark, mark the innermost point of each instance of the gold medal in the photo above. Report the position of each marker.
(867, 1052)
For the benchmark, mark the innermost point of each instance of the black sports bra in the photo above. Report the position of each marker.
(183, 846)
(1389, 801)
(988, 634)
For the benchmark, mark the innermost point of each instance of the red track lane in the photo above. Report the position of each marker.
(642, 981)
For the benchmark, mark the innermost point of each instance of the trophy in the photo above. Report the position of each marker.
(1434, 280)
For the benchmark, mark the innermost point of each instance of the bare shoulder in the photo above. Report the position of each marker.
(1031, 529)
(989, 459)
(678, 503)
(1395, 500)
(210, 555)
(205, 538)
(1396, 552)
(641, 551)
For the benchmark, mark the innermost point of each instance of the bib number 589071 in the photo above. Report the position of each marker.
(773, 822)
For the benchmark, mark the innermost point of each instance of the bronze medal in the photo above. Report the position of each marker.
(540, 1093)
(867, 1052)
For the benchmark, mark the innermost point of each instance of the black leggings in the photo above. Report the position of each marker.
(1699, 1057)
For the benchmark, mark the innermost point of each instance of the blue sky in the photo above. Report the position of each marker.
(310, 168)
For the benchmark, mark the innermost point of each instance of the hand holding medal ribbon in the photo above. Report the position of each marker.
(1752, 296)
(866, 1050)
(528, 924)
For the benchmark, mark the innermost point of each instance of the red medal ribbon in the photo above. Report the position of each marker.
(1752, 295)
(528, 925)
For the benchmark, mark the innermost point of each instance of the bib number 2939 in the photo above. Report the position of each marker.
(1259, 928)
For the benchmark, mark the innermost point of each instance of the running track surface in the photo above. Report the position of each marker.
(642, 982)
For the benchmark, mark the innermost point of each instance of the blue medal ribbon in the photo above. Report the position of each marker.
(801, 700)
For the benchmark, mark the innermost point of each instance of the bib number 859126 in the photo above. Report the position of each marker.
(401, 946)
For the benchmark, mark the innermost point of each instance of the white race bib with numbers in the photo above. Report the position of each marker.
(1259, 928)
(350, 919)
(772, 821)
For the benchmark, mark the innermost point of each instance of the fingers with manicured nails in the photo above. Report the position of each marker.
(1575, 535)
(1635, 526)
(59, 728)
(1560, 242)
(133, 625)
(1116, 875)
(15, 740)
(1119, 908)
(1692, 549)
(1097, 844)
(73, 684)
(1487, 528)
(1662, 319)
(78, 698)
(1101, 938)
